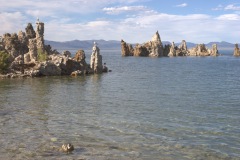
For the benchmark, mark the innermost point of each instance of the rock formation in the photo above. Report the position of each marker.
(214, 51)
(30, 33)
(172, 52)
(30, 57)
(66, 53)
(32, 54)
(140, 50)
(96, 59)
(11, 44)
(236, 50)
(153, 48)
(40, 35)
(182, 49)
(127, 49)
(202, 50)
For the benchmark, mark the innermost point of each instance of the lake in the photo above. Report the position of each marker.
(180, 108)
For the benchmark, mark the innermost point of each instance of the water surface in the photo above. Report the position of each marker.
(146, 108)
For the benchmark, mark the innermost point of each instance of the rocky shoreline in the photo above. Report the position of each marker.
(25, 55)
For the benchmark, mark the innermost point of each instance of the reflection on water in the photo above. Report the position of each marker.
(179, 108)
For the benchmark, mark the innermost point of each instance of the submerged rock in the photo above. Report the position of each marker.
(67, 147)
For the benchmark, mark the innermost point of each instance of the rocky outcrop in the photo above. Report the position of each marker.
(155, 47)
(66, 53)
(30, 33)
(23, 42)
(127, 49)
(182, 49)
(11, 44)
(40, 35)
(31, 58)
(202, 50)
(48, 69)
(172, 51)
(199, 50)
(96, 60)
(236, 50)
(140, 50)
(214, 51)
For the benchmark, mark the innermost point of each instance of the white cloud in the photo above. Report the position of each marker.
(118, 10)
(229, 17)
(232, 7)
(182, 5)
(198, 28)
(11, 22)
(218, 8)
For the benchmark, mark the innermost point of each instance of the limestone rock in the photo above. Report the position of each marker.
(49, 69)
(172, 52)
(11, 44)
(182, 49)
(202, 50)
(155, 46)
(27, 58)
(166, 50)
(127, 49)
(80, 56)
(33, 53)
(40, 35)
(140, 50)
(183, 45)
(199, 50)
(30, 33)
(236, 50)
(214, 51)
(23, 42)
(77, 73)
(67, 64)
(96, 60)
(66, 53)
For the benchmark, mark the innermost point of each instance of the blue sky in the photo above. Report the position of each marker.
(134, 21)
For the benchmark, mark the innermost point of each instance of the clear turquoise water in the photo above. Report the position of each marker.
(146, 108)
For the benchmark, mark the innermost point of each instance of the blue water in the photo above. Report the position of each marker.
(146, 108)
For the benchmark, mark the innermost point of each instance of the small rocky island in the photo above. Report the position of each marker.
(25, 55)
(155, 48)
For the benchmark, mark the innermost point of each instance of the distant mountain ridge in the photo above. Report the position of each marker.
(116, 45)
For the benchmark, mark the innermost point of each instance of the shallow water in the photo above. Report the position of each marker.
(146, 108)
